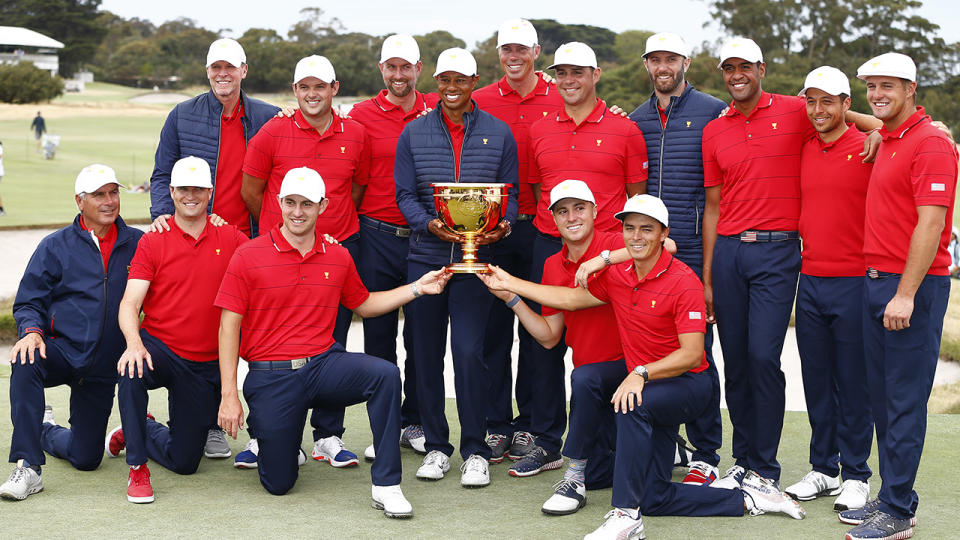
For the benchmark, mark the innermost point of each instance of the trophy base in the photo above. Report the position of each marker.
(467, 268)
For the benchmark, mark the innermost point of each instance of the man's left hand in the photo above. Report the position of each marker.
(503, 228)
(870, 146)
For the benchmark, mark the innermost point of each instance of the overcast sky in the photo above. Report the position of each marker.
(472, 22)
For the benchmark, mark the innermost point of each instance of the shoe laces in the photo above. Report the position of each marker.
(522, 438)
(18, 474)
(433, 457)
(701, 467)
(334, 441)
(494, 439)
(474, 463)
(216, 435)
(817, 479)
(617, 513)
(734, 471)
(139, 477)
(856, 485)
(567, 484)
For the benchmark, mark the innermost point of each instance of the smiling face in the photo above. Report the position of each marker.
(574, 219)
(742, 79)
(100, 208)
(315, 97)
(891, 98)
(577, 84)
(643, 236)
(400, 76)
(300, 214)
(666, 70)
(225, 79)
(190, 201)
(517, 61)
(455, 90)
(826, 111)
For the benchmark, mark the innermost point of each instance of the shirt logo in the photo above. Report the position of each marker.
(218, 251)
(653, 303)
(544, 113)
(695, 315)
(326, 275)
(599, 141)
(485, 141)
(849, 157)
(343, 149)
(893, 154)
(774, 124)
(938, 187)
(688, 123)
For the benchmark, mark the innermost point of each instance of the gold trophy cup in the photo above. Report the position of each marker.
(470, 209)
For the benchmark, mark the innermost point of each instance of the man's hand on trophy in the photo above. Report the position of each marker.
(434, 281)
(498, 281)
(444, 233)
(502, 230)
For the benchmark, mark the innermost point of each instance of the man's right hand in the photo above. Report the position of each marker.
(160, 224)
(132, 359)
(26, 347)
(588, 268)
(442, 232)
(230, 416)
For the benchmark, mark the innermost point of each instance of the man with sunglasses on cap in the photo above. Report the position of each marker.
(66, 314)
(909, 211)
(316, 137)
(176, 345)
(279, 298)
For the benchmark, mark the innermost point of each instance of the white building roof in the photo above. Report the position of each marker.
(23, 37)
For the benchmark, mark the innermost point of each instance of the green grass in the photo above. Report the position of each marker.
(98, 92)
(224, 502)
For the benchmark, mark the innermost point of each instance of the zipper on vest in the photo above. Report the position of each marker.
(663, 139)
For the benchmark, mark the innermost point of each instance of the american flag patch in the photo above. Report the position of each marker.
(645, 164)
(938, 187)
(696, 315)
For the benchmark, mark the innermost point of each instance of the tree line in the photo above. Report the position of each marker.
(795, 36)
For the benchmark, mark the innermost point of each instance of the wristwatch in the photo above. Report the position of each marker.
(605, 255)
(642, 371)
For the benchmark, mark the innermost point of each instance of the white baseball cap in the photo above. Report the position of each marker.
(574, 54)
(400, 46)
(314, 66)
(303, 181)
(226, 49)
(573, 189)
(890, 64)
(458, 60)
(518, 31)
(191, 171)
(829, 79)
(741, 47)
(647, 205)
(668, 42)
(94, 177)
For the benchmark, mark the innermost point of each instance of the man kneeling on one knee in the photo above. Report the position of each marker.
(659, 308)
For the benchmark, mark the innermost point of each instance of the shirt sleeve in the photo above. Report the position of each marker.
(533, 169)
(32, 305)
(933, 173)
(597, 284)
(353, 292)
(143, 266)
(361, 176)
(258, 160)
(637, 164)
(234, 290)
(690, 313)
(712, 174)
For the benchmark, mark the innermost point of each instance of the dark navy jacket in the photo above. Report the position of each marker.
(676, 164)
(425, 156)
(193, 129)
(67, 296)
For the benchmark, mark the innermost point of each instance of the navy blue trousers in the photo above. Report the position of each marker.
(193, 392)
(646, 443)
(327, 421)
(279, 400)
(592, 434)
(465, 303)
(91, 399)
(900, 369)
(382, 266)
(754, 284)
(548, 407)
(830, 339)
(514, 254)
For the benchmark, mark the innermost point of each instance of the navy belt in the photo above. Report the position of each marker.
(766, 236)
(271, 365)
(402, 232)
(525, 217)
(873, 273)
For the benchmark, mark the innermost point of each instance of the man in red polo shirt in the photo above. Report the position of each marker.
(520, 98)
(176, 345)
(316, 137)
(659, 309)
(384, 233)
(829, 320)
(909, 211)
(597, 355)
(581, 140)
(281, 290)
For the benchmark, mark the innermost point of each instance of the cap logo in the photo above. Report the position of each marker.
(661, 38)
(515, 27)
(567, 50)
(734, 44)
(875, 64)
(101, 171)
(193, 168)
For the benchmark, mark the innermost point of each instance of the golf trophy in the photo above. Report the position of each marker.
(470, 209)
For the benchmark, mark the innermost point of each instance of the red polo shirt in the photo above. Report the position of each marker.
(106, 243)
(340, 154)
(652, 312)
(915, 166)
(227, 202)
(756, 161)
(520, 112)
(288, 302)
(588, 330)
(606, 151)
(178, 309)
(457, 132)
(833, 188)
(384, 122)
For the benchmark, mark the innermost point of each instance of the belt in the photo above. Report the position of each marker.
(271, 365)
(873, 273)
(766, 236)
(402, 232)
(525, 217)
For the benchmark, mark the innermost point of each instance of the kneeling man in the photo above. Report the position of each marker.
(283, 289)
